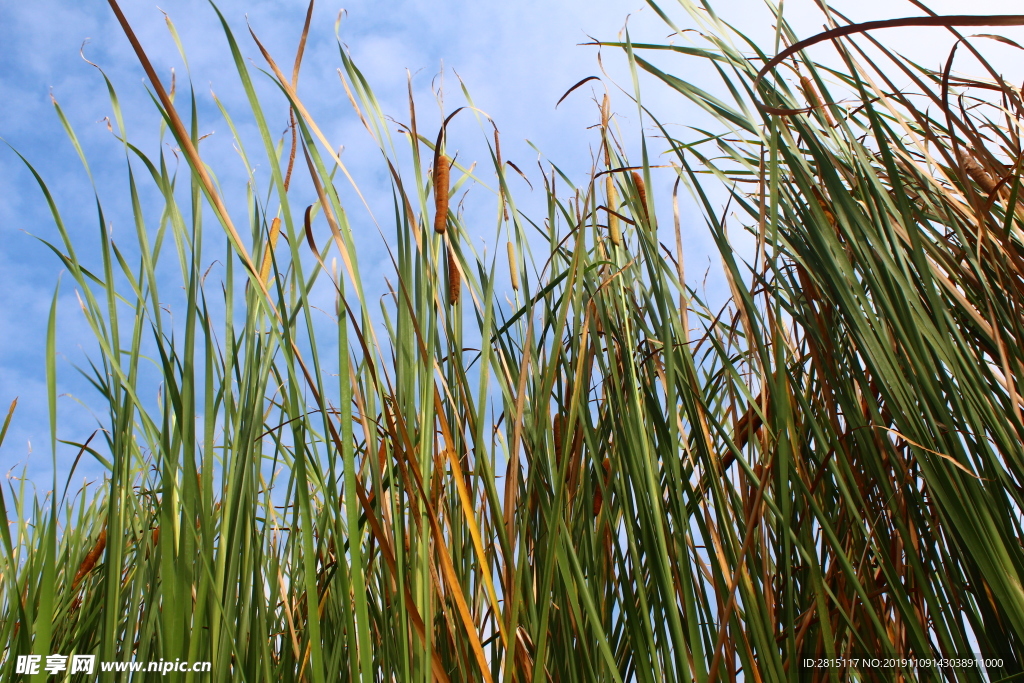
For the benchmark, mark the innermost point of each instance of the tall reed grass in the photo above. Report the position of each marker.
(603, 477)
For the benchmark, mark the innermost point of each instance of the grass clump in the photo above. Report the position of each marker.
(608, 480)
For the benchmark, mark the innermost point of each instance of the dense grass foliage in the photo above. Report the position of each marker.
(600, 478)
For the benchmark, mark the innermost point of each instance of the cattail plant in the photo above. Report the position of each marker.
(442, 172)
(91, 558)
(454, 278)
(618, 476)
(641, 194)
(611, 200)
(513, 266)
(812, 97)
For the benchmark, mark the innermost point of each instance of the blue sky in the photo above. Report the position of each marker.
(516, 58)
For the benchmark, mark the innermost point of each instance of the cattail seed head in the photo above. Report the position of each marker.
(976, 172)
(641, 190)
(513, 267)
(91, 558)
(606, 116)
(454, 279)
(814, 100)
(613, 220)
(154, 537)
(441, 179)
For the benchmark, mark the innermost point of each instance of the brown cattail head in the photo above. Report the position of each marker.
(513, 267)
(91, 558)
(454, 279)
(154, 536)
(441, 179)
(975, 171)
(611, 202)
(641, 191)
(823, 203)
(749, 424)
(815, 101)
